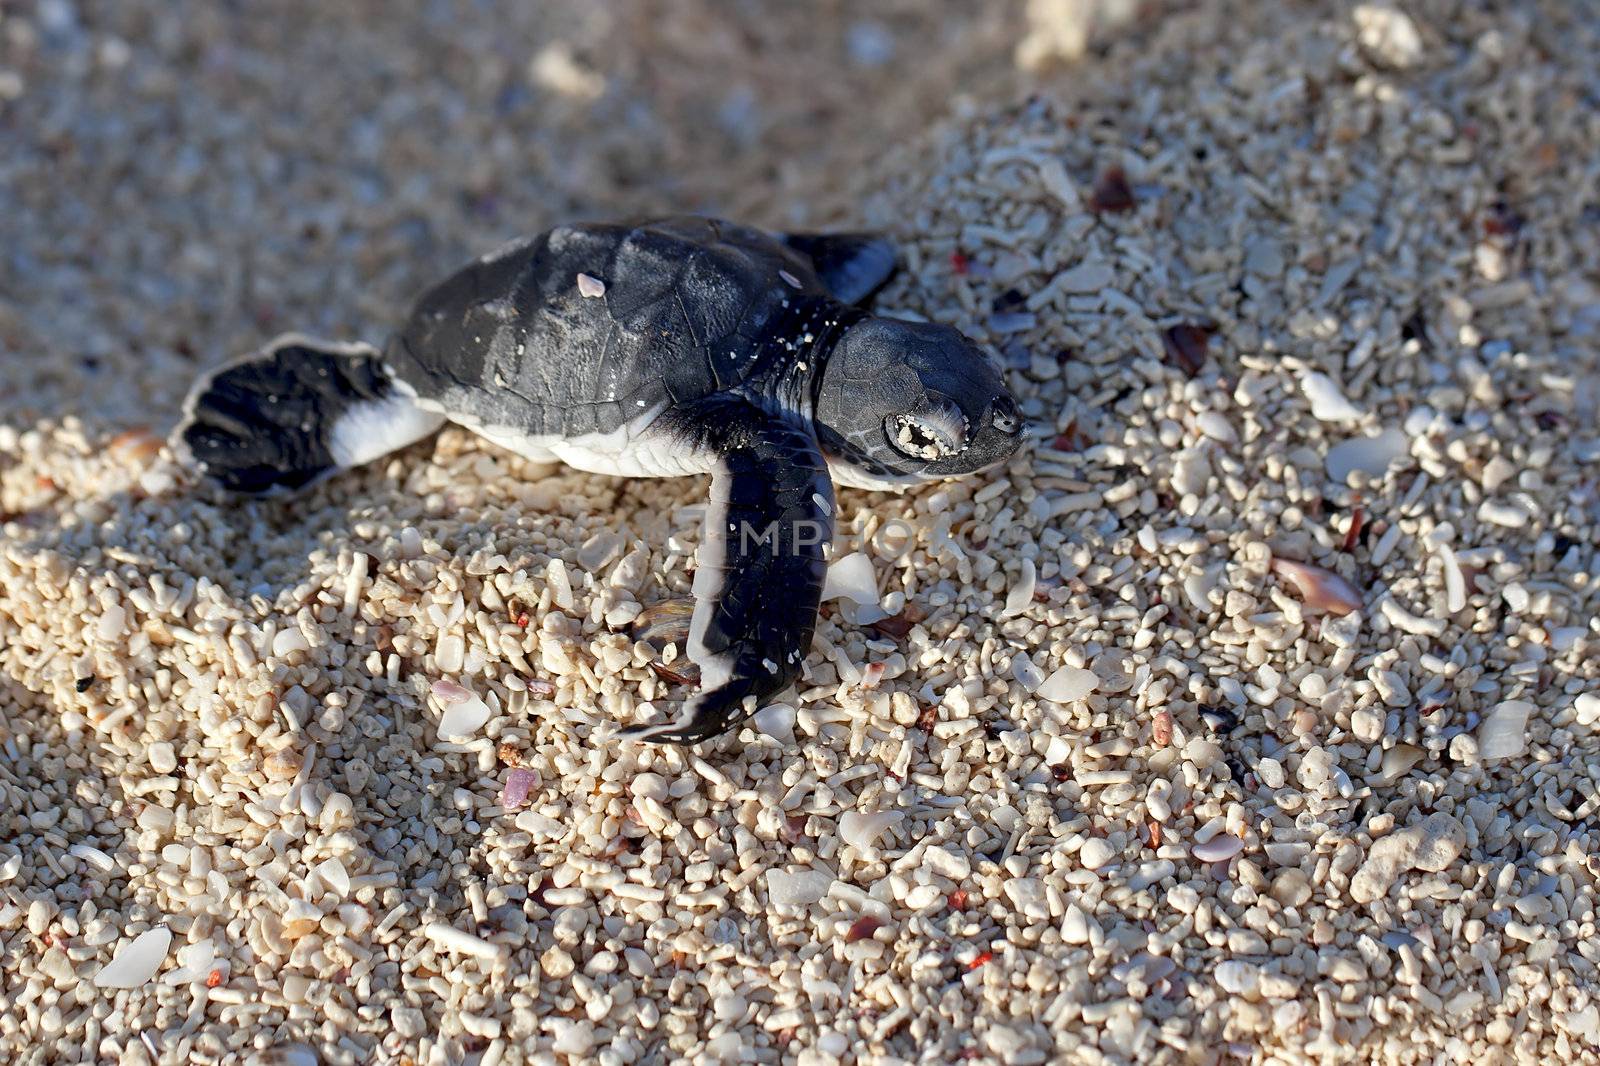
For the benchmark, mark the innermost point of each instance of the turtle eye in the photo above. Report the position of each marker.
(1005, 417)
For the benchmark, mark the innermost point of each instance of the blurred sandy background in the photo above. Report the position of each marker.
(182, 180)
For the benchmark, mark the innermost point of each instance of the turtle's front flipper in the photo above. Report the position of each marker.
(852, 266)
(760, 570)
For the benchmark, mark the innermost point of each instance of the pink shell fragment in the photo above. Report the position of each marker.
(519, 782)
(446, 691)
(1219, 848)
(1322, 589)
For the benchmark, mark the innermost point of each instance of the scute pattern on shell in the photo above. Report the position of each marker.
(533, 339)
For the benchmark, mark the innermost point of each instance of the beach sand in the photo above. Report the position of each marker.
(1251, 712)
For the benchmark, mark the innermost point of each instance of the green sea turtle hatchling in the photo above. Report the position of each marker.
(680, 346)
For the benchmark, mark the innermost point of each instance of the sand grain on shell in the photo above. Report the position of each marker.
(1248, 826)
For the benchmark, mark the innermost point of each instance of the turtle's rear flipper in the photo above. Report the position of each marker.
(852, 266)
(298, 410)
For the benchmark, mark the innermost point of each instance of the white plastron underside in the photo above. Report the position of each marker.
(368, 430)
(633, 450)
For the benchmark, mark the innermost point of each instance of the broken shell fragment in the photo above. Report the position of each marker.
(1503, 734)
(776, 720)
(663, 623)
(136, 446)
(137, 961)
(1067, 684)
(851, 578)
(1185, 346)
(678, 672)
(448, 692)
(463, 716)
(797, 888)
(1398, 760)
(861, 831)
(1319, 588)
(1371, 455)
(863, 928)
(519, 782)
(1219, 848)
(1328, 401)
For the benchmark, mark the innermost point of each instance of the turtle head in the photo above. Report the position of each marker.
(900, 402)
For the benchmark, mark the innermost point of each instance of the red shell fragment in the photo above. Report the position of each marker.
(899, 625)
(1501, 220)
(1071, 439)
(1112, 192)
(863, 928)
(1185, 346)
(1358, 518)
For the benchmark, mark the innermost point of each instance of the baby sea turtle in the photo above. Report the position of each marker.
(679, 346)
